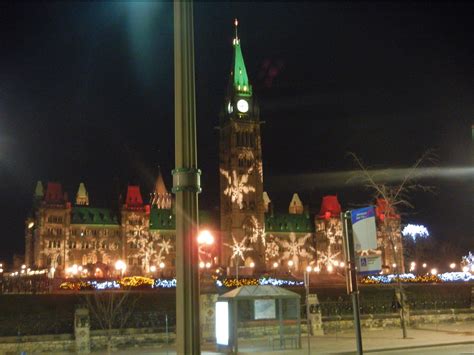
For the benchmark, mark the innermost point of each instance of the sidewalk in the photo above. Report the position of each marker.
(381, 340)
(377, 340)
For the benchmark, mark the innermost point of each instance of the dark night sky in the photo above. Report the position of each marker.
(86, 94)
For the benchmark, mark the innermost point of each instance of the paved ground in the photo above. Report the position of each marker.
(438, 350)
(457, 338)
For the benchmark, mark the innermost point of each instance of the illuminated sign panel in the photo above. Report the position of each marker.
(368, 258)
(222, 323)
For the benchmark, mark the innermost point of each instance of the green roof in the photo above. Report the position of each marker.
(297, 223)
(240, 78)
(162, 219)
(91, 215)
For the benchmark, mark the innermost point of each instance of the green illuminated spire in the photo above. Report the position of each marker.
(240, 80)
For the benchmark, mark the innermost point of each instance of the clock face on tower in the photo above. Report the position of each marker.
(242, 105)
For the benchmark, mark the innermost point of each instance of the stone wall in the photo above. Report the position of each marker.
(37, 343)
(416, 319)
(98, 340)
(130, 338)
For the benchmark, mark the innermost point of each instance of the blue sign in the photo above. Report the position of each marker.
(368, 257)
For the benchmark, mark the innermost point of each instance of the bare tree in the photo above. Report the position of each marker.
(111, 309)
(396, 192)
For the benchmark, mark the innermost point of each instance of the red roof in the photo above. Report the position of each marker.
(54, 193)
(134, 197)
(330, 207)
(382, 210)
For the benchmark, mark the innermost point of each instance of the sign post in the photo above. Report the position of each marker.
(360, 249)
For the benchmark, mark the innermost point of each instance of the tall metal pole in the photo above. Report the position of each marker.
(306, 285)
(186, 184)
(351, 275)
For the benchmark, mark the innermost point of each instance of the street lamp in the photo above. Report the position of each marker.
(306, 286)
(452, 266)
(120, 266)
(153, 268)
(205, 237)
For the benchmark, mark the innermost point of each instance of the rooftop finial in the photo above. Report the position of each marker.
(236, 24)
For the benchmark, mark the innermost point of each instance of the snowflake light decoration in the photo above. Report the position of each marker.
(256, 231)
(295, 248)
(238, 248)
(138, 231)
(327, 258)
(165, 246)
(272, 250)
(237, 186)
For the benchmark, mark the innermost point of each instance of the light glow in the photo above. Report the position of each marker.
(415, 231)
(222, 323)
(205, 237)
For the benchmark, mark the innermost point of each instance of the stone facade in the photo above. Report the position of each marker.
(59, 234)
(250, 234)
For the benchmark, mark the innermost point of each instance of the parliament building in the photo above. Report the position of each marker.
(248, 234)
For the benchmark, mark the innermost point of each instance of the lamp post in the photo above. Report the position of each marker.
(306, 286)
(186, 184)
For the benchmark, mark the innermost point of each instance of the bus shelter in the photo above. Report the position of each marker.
(267, 312)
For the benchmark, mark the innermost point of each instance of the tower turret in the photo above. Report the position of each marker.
(240, 165)
(82, 196)
(160, 197)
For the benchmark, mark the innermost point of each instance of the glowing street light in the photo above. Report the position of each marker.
(162, 265)
(205, 237)
(290, 263)
(201, 264)
(252, 264)
(208, 265)
(424, 265)
(120, 266)
(275, 265)
(317, 269)
(434, 271)
(330, 268)
(452, 265)
(153, 268)
(465, 268)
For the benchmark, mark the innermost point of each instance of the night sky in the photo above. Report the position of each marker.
(86, 94)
